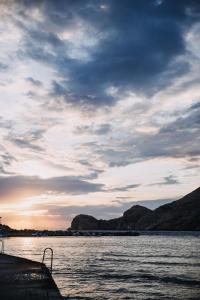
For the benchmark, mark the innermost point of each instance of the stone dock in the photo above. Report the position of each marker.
(23, 279)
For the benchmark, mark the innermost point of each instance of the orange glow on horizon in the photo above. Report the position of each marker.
(36, 222)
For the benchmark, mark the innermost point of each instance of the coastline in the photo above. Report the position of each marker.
(97, 233)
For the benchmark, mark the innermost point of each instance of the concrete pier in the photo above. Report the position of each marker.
(23, 279)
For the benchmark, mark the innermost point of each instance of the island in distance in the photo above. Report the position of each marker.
(180, 215)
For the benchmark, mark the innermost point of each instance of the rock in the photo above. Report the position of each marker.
(84, 222)
(132, 216)
(126, 222)
(183, 214)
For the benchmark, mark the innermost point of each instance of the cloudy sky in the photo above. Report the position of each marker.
(99, 107)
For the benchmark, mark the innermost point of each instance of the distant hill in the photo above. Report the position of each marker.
(5, 229)
(183, 214)
(127, 221)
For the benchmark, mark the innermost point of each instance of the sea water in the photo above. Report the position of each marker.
(143, 267)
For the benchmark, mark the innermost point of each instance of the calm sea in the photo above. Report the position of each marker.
(143, 267)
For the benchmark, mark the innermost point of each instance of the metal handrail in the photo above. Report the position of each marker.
(51, 251)
(2, 246)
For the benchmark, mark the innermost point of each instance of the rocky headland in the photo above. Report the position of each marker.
(181, 215)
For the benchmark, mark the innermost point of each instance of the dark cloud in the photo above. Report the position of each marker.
(35, 82)
(3, 66)
(194, 167)
(23, 143)
(85, 162)
(101, 129)
(28, 140)
(3, 171)
(119, 156)
(6, 160)
(188, 123)
(7, 124)
(168, 180)
(33, 185)
(124, 188)
(179, 138)
(196, 106)
(92, 175)
(137, 45)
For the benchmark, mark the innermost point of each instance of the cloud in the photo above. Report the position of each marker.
(3, 66)
(101, 129)
(178, 139)
(5, 123)
(132, 47)
(94, 174)
(29, 140)
(34, 82)
(6, 160)
(95, 91)
(3, 171)
(170, 180)
(167, 180)
(196, 106)
(24, 143)
(124, 188)
(33, 185)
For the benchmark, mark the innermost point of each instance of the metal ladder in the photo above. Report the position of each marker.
(51, 253)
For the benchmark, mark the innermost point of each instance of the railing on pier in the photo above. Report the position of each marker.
(51, 253)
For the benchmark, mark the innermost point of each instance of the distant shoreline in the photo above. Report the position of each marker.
(96, 233)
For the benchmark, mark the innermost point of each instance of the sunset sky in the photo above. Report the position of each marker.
(99, 107)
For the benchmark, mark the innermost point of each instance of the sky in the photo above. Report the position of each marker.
(99, 107)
